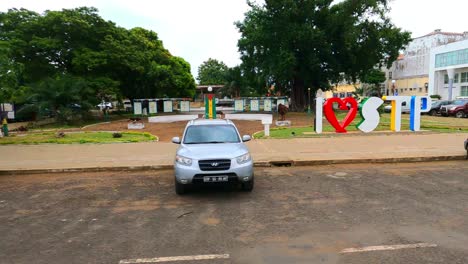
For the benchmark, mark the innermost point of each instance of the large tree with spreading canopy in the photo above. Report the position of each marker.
(297, 44)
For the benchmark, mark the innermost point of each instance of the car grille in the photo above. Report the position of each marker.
(214, 165)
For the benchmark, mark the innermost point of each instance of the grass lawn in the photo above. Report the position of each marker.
(430, 123)
(80, 137)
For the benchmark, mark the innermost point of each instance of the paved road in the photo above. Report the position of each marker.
(295, 215)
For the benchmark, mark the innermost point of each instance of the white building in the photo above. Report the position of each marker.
(409, 74)
(448, 72)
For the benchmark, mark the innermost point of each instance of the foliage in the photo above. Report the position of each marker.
(310, 43)
(54, 49)
(212, 71)
(436, 96)
(373, 76)
(116, 135)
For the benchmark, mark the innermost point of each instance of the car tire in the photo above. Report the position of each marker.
(248, 186)
(460, 114)
(433, 112)
(180, 188)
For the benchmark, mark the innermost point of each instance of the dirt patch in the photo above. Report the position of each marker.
(143, 205)
(166, 131)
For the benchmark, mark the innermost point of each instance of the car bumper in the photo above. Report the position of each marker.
(191, 174)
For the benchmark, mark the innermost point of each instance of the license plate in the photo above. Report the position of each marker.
(215, 179)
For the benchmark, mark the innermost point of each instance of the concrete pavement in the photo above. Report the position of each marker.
(266, 152)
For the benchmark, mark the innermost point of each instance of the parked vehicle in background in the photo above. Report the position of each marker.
(405, 107)
(104, 105)
(212, 152)
(436, 105)
(459, 108)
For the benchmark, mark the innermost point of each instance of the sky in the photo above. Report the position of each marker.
(203, 29)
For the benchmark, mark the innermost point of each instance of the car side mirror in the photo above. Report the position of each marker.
(246, 138)
(176, 140)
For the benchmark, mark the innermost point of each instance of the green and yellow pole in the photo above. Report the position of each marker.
(210, 107)
(5, 127)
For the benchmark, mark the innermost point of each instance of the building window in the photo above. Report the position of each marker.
(420, 89)
(406, 89)
(451, 58)
(390, 75)
(349, 94)
(455, 78)
(335, 95)
(446, 80)
(464, 91)
(464, 77)
(342, 95)
(426, 89)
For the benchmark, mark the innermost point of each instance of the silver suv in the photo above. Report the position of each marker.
(212, 151)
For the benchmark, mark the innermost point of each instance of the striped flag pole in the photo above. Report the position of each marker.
(210, 107)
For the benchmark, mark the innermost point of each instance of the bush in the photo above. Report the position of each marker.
(117, 135)
(436, 96)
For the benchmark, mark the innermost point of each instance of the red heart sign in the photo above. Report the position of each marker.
(343, 104)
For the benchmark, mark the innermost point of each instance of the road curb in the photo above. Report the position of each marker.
(260, 164)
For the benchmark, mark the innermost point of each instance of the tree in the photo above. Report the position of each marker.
(371, 81)
(212, 71)
(312, 43)
(43, 51)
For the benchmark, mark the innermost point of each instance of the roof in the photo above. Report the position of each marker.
(197, 122)
(438, 32)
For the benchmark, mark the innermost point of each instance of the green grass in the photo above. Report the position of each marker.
(436, 124)
(80, 138)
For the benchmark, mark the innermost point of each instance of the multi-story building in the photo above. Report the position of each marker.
(448, 72)
(409, 74)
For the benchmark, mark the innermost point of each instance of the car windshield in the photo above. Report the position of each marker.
(459, 102)
(206, 134)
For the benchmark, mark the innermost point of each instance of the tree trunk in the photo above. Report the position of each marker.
(297, 96)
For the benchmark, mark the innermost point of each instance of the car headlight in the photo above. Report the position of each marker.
(453, 108)
(243, 159)
(183, 160)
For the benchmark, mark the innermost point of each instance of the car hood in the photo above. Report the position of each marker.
(212, 151)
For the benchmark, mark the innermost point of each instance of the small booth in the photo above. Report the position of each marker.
(160, 105)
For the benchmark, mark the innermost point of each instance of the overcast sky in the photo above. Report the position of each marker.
(202, 29)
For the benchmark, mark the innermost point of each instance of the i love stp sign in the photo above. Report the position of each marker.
(369, 112)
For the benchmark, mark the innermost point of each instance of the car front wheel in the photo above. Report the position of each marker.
(433, 112)
(460, 114)
(248, 186)
(180, 188)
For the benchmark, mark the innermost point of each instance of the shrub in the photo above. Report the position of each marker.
(116, 135)
(436, 96)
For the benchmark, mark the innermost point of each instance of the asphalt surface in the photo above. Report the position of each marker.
(294, 215)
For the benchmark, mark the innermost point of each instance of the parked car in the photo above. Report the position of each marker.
(405, 107)
(212, 151)
(459, 108)
(104, 105)
(436, 105)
